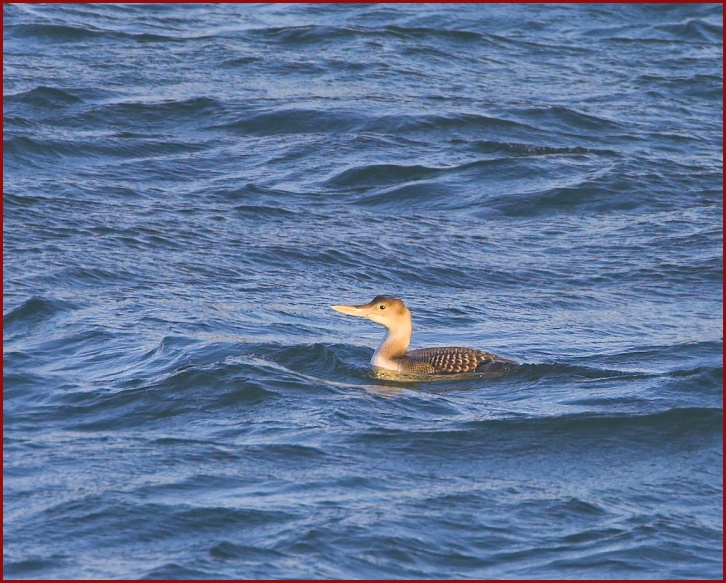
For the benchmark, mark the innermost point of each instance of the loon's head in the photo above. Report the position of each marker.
(384, 310)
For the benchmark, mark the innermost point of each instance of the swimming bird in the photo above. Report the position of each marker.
(391, 354)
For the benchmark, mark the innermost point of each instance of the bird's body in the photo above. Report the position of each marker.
(392, 353)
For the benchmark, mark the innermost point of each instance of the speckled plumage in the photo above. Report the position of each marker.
(452, 360)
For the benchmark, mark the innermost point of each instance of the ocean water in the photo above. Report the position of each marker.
(189, 188)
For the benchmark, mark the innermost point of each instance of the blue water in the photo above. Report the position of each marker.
(188, 188)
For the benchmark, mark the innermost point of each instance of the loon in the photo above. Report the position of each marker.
(391, 354)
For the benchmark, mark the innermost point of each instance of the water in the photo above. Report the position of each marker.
(188, 188)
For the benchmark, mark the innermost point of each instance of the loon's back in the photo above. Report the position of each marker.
(453, 360)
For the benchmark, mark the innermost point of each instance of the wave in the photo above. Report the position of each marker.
(673, 421)
(305, 34)
(292, 121)
(73, 33)
(471, 122)
(668, 428)
(184, 394)
(32, 311)
(692, 29)
(568, 120)
(55, 32)
(522, 194)
(376, 174)
(44, 96)
(123, 145)
(318, 33)
(302, 120)
(689, 29)
(519, 149)
(149, 110)
(29, 568)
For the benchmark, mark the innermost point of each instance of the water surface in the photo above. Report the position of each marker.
(188, 188)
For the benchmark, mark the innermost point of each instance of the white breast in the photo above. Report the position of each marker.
(382, 362)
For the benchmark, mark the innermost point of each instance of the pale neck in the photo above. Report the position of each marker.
(395, 342)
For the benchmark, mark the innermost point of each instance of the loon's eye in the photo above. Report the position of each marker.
(382, 307)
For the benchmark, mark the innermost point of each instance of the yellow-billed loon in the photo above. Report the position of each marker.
(391, 354)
